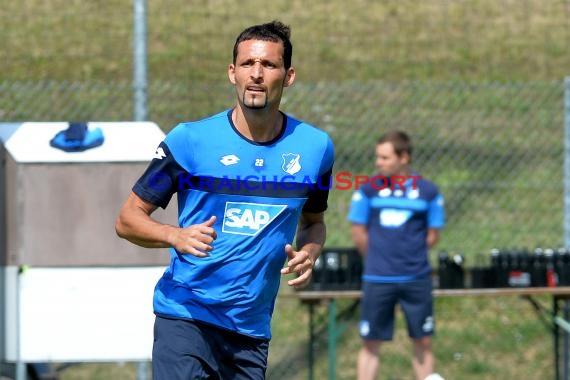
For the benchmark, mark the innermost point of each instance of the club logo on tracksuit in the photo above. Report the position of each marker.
(291, 163)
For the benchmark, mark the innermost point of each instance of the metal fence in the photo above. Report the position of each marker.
(495, 150)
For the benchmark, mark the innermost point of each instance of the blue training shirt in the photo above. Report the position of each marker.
(397, 217)
(257, 192)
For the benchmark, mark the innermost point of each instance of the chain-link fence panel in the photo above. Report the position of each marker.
(65, 101)
(495, 150)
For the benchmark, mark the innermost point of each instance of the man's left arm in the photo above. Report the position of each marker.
(436, 220)
(432, 237)
(311, 235)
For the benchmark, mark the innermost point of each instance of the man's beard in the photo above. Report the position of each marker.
(254, 102)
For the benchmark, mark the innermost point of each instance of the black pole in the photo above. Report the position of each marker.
(556, 330)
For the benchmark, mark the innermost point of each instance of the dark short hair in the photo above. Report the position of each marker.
(274, 31)
(400, 141)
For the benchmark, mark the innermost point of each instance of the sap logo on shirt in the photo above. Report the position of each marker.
(244, 218)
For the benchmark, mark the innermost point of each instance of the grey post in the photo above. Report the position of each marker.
(566, 308)
(140, 85)
(140, 93)
(567, 162)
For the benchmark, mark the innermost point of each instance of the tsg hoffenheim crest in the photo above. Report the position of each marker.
(291, 163)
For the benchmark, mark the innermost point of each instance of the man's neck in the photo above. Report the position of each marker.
(258, 125)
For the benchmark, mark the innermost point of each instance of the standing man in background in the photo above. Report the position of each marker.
(247, 180)
(396, 218)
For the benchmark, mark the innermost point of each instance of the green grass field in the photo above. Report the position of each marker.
(505, 40)
(477, 82)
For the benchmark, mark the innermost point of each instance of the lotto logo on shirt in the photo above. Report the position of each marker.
(244, 218)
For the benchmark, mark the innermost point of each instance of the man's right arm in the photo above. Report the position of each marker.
(136, 225)
(358, 215)
(359, 235)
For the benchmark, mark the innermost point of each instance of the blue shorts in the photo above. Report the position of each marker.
(378, 308)
(191, 350)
